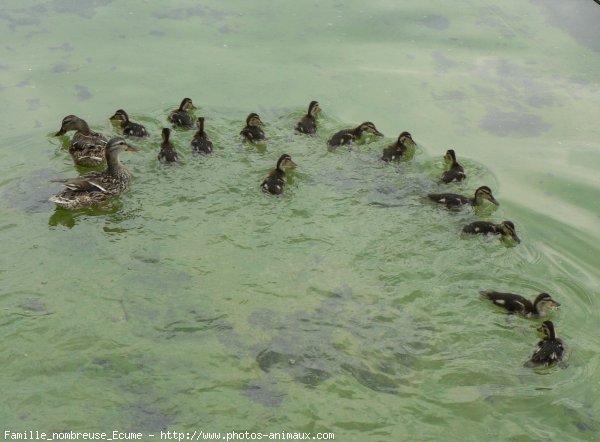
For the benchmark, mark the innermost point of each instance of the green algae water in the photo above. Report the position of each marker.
(348, 306)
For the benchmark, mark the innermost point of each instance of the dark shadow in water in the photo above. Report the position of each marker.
(68, 218)
(579, 18)
(201, 11)
(437, 22)
(83, 93)
(513, 124)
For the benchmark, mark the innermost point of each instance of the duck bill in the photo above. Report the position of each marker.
(115, 117)
(516, 238)
(60, 132)
(292, 164)
(379, 134)
(494, 201)
(554, 304)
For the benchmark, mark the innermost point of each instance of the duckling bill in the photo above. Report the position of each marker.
(253, 131)
(347, 136)
(452, 200)
(167, 152)
(274, 183)
(396, 151)
(129, 127)
(506, 229)
(549, 351)
(517, 304)
(308, 123)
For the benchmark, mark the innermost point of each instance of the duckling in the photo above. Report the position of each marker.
(201, 143)
(348, 136)
(129, 127)
(456, 171)
(253, 131)
(505, 228)
(549, 350)
(180, 117)
(395, 152)
(94, 187)
(452, 200)
(308, 123)
(275, 181)
(87, 147)
(167, 152)
(518, 304)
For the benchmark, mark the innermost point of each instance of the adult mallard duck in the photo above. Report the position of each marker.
(348, 136)
(506, 229)
(308, 123)
(201, 143)
(253, 131)
(395, 152)
(129, 127)
(452, 200)
(87, 147)
(94, 187)
(167, 152)
(275, 181)
(180, 117)
(455, 172)
(550, 350)
(518, 304)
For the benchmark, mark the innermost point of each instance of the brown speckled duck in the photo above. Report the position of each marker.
(94, 187)
(87, 147)
(308, 123)
(347, 136)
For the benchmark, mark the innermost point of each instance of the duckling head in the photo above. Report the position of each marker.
(369, 127)
(253, 120)
(547, 330)
(508, 229)
(166, 134)
(314, 108)
(484, 192)
(450, 156)
(406, 139)
(72, 122)
(285, 162)
(186, 104)
(120, 115)
(544, 301)
(200, 123)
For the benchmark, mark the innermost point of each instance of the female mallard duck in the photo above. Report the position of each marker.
(505, 228)
(395, 152)
(253, 131)
(456, 171)
(308, 123)
(201, 143)
(167, 152)
(129, 127)
(549, 350)
(452, 200)
(275, 181)
(87, 147)
(94, 187)
(514, 303)
(348, 136)
(180, 117)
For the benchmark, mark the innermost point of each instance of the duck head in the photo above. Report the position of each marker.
(253, 120)
(314, 108)
(285, 162)
(72, 122)
(484, 192)
(547, 330)
(544, 301)
(369, 127)
(186, 104)
(120, 115)
(508, 229)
